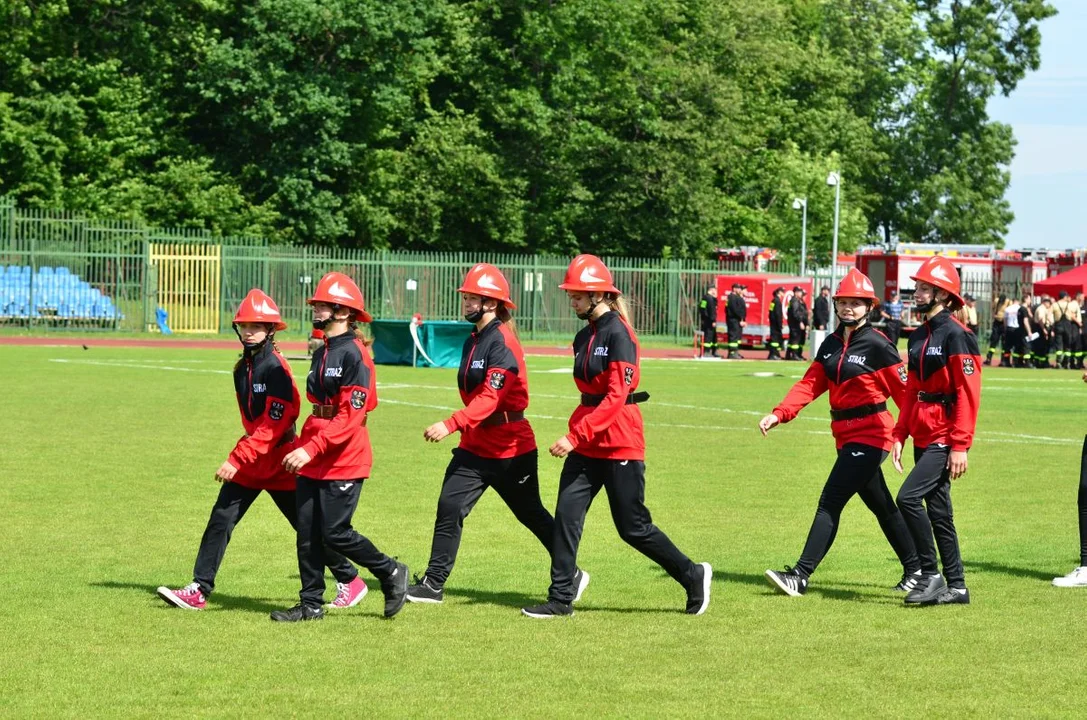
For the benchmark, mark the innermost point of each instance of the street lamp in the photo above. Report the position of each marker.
(834, 180)
(802, 204)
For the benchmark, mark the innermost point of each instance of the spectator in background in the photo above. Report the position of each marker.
(1043, 326)
(891, 312)
(996, 335)
(707, 316)
(797, 317)
(970, 313)
(821, 311)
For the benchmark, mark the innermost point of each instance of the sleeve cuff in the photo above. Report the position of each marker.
(311, 449)
(451, 424)
(571, 439)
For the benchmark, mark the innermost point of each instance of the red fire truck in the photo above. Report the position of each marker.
(758, 294)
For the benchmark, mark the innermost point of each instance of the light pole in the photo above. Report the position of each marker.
(802, 204)
(834, 179)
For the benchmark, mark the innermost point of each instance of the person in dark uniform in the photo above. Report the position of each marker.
(1078, 576)
(605, 448)
(497, 448)
(269, 405)
(891, 312)
(861, 369)
(1021, 352)
(943, 395)
(821, 311)
(707, 317)
(736, 320)
(334, 455)
(777, 320)
(798, 325)
(996, 334)
(1063, 345)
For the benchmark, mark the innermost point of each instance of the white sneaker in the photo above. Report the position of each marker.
(1076, 578)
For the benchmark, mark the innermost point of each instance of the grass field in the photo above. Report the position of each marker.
(107, 464)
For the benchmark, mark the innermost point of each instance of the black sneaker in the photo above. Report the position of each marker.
(788, 581)
(581, 581)
(928, 589)
(550, 609)
(395, 588)
(952, 596)
(423, 591)
(698, 594)
(908, 582)
(298, 613)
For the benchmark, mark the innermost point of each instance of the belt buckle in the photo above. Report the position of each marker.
(919, 394)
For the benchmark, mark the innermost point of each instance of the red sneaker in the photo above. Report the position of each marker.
(349, 594)
(187, 598)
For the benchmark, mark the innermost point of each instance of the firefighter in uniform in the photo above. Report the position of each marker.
(1022, 349)
(996, 334)
(1043, 325)
(497, 448)
(943, 394)
(1078, 331)
(736, 320)
(268, 402)
(605, 448)
(861, 369)
(820, 313)
(777, 319)
(798, 325)
(707, 317)
(1062, 329)
(334, 456)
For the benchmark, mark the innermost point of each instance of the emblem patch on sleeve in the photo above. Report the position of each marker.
(903, 373)
(968, 366)
(497, 380)
(358, 399)
(276, 410)
(628, 375)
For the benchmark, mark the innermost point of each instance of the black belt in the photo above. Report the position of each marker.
(858, 412)
(632, 399)
(941, 398)
(504, 417)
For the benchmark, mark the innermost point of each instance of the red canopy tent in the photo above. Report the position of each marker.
(1074, 281)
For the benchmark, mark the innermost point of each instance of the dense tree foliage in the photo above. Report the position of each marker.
(634, 127)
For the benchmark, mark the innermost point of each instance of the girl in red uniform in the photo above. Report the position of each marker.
(497, 448)
(268, 401)
(334, 456)
(940, 412)
(860, 368)
(605, 447)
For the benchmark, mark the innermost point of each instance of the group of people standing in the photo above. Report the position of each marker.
(795, 314)
(316, 479)
(1028, 329)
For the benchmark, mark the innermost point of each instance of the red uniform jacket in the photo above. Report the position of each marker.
(606, 356)
(864, 370)
(269, 403)
(341, 375)
(944, 361)
(492, 379)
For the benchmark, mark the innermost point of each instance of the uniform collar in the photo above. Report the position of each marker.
(264, 349)
(492, 325)
(859, 332)
(941, 318)
(606, 319)
(338, 340)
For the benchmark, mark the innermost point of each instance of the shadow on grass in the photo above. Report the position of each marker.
(218, 601)
(489, 597)
(1002, 569)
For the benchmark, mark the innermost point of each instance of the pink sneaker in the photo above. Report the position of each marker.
(187, 598)
(349, 594)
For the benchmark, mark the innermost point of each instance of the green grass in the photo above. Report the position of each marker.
(107, 467)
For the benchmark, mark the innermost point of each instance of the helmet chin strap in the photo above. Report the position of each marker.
(925, 307)
(256, 347)
(592, 308)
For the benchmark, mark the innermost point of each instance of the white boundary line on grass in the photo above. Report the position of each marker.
(987, 436)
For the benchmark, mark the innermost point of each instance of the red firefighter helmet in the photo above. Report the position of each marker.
(939, 272)
(489, 282)
(856, 284)
(338, 289)
(588, 273)
(258, 307)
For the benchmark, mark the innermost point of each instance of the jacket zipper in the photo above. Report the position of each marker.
(468, 365)
(924, 348)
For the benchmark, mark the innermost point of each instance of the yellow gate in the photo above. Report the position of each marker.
(188, 285)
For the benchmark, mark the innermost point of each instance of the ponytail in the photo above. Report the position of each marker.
(503, 314)
(358, 332)
(619, 305)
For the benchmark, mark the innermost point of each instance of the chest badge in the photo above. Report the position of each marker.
(903, 373)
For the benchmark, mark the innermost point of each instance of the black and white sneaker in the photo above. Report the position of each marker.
(395, 588)
(788, 581)
(424, 591)
(698, 594)
(298, 613)
(550, 609)
(908, 582)
(928, 589)
(952, 596)
(581, 581)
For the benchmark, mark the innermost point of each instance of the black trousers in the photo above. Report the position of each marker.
(709, 337)
(1083, 505)
(230, 507)
(777, 339)
(325, 508)
(735, 335)
(996, 336)
(925, 502)
(624, 481)
(894, 331)
(797, 339)
(467, 477)
(857, 471)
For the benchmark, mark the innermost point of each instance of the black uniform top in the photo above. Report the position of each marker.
(707, 310)
(798, 311)
(777, 313)
(1026, 317)
(736, 309)
(821, 314)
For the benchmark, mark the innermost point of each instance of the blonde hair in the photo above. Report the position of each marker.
(619, 304)
(503, 313)
(353, 324)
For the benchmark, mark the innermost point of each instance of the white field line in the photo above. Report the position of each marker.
(987, 436)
